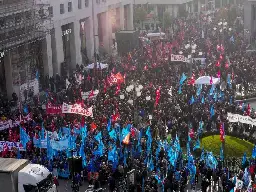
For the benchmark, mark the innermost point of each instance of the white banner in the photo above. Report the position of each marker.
(88, 94)
(77, 109)
(178, 58)
(33, 85)
(241, 119)
(10, 145)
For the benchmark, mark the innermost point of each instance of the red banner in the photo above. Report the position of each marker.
(52, 109)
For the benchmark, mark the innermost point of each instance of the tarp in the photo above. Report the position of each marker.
(205, 80)
(99, 66)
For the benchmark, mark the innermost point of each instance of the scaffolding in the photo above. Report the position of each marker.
(23, 26)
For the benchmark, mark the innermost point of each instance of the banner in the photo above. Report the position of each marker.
(60, 145)
(11, 145)
(178, 58)
(233, 118)
(33, 85)
(52, 109)
(8, 124)
(77, 109)
(86, 95)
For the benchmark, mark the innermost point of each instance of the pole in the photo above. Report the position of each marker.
(94, 40)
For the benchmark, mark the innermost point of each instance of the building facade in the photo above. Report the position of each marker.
(250, 20)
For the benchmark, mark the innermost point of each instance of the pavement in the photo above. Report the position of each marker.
(65, 186)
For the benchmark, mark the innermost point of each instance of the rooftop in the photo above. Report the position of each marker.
(10, 164)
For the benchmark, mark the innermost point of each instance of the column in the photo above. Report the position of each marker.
(199, 6)
(107, 34)
(8, 74)
(121, 17)
(89, 37)
(75, 45)
(192, 7)
(57, 48)
(130, 17)
(47, 56)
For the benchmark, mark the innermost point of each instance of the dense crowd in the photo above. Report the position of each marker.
(170, 107)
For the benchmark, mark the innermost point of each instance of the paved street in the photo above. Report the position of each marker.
(65, 186)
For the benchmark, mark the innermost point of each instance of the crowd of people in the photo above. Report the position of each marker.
(155, 99)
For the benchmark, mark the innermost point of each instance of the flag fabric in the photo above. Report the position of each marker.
(112, 134)
(98, 137)
(212, 89)
(25, 109)
(222, 132)
(49, 148)
(109, 125)
(199, 89)
(197, 145)
(179, 91)
(244, 159)
(202, 155)
(211, 161)
(212, 112)
(183, 78)
(126, 140)
(246, 177)
(24, 137)
(254, 152)
(192, 100)
(202, 100)
(37, 75)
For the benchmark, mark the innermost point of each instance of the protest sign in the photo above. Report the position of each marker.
(178, 58)
(86, 95)
(233, 118)
(11, 145)
(77, 109)
(52, 109)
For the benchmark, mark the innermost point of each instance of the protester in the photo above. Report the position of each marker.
(147, 113)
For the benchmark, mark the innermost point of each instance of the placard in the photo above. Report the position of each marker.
(77, 109)
(52, 109)
(178, 58)
(11, 145)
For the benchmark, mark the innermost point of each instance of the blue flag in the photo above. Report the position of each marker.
(179, 91)
(25, 109)
(197, 145)
(49, 148)
(202, 155)
(202, 100)
(199, 89)
(244, 159)
(212, 89)
(112, 134)
(42, 132)
(24, 137)
(192, 100)
(109, 125)
(37, 75)
(211, 161)
(254, 152)
(98, 137)
(183, 78)
(212, 112)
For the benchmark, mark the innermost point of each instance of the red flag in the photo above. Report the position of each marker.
(218, 75)
(192, 80)
(91, 94)
(191, 133)
(248, 109)
(93, 126)
(157, 96)
(217, 64)
(211, 80)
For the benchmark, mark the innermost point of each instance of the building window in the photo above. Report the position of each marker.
(50, 10)
(62, 9)
(98, 1)
(79, 4)
(69, 6)
(86, 3)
